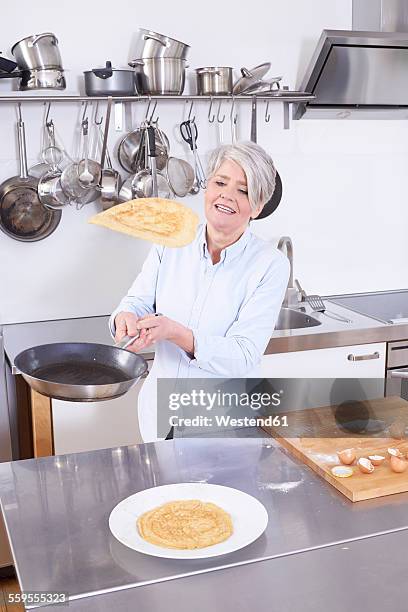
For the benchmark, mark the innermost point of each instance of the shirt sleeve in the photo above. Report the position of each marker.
(236, 353)
(141, 297)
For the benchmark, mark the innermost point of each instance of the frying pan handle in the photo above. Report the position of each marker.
(22, 149)
(126, 341)
(253, 119)
(106, 132)
(152, 141)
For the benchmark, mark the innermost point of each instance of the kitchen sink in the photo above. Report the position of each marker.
(295, 319)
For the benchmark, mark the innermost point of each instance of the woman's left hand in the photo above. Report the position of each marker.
(162, 328)
(157, 328)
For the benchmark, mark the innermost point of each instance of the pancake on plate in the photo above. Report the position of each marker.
(185, 524)
(160, 221)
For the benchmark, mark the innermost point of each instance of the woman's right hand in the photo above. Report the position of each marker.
(126, 325)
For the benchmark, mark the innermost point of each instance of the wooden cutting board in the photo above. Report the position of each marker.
(323, 438)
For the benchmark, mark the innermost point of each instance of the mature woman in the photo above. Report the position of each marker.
(220, 295)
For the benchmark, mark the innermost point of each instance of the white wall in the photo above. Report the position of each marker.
(344, 182)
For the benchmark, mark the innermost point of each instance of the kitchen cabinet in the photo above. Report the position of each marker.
(85, 426)
(360, 361)
(329, 376)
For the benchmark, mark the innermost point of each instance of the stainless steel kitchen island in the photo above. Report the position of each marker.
(316, 544)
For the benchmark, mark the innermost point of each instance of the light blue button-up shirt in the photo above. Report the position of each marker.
(231, 307)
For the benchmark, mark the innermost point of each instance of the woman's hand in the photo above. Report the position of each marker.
(126, 325)
(156, 328)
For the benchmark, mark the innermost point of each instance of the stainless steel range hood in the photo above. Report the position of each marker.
(361, 74)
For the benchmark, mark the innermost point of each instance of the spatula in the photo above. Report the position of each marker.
(317, 305)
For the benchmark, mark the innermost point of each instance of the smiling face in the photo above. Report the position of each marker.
(227, 207)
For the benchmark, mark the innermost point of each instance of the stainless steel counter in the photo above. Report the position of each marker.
(362, 330)
(330, 333)
(361, 575)
(57, 508)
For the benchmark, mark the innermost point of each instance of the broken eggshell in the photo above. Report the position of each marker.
(365, 465)
(347, 456)
(376, 459)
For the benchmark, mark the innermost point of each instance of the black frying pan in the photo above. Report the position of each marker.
(273, 203)
(80, 371)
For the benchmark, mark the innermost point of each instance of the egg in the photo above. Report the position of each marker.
(365, 465)
(376, 459)
(342, 471)
(398, 465)
(395, 452)
(347, 456)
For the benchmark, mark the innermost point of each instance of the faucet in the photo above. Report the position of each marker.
(292, 296)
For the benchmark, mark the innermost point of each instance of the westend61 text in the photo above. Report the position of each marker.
(227, 421)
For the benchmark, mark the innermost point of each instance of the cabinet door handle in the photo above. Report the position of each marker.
(352, 357)
(399, 373)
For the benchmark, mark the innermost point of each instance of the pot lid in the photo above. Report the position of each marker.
(107, 71)
(250, 77)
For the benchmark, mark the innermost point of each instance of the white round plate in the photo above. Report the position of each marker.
(249, 518)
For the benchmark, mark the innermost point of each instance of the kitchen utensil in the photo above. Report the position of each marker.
(154, 45)
(50, 192)
(110, 178)
(213, 81)
(274, 201)
(250, 518)
(110, 81)
(85, 177)
(131, 150)
(22, 215)
(152, 155)
(159, 75)
(49, 78)
(37, 52)
(189, 133)
(141, 184)
(78, 193)
(180, 176)
(250, 77)
(80, 371)
(317, 305)
(263, 86)
(126, 192)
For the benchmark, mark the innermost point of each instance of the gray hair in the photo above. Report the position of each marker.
(256, 163)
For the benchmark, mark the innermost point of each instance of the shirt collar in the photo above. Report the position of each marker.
(229, 252)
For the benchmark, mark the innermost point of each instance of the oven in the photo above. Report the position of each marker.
(397, 369)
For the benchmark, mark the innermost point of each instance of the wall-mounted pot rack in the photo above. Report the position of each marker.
(286, 99)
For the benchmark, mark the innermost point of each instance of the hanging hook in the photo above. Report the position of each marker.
(233, 118)
(218, 113)
(48, 121)
(189, 118)
(267, 114)
(211, 120)
(96, 114)
(147, 118)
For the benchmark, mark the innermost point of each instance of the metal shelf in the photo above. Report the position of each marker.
(300, 97)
